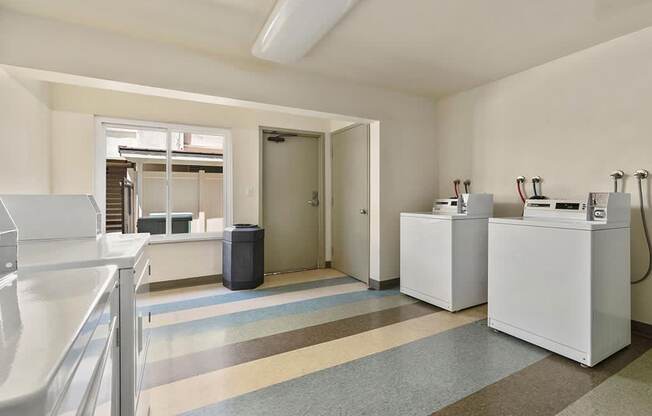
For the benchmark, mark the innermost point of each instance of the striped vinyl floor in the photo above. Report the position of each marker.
(320, 343)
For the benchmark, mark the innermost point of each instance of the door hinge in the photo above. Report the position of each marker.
(149, 317)
(117, 338)
(149, 269)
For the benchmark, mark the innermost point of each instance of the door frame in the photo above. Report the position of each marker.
(368, 170)
(320, 137)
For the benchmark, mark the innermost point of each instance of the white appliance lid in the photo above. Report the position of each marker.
(558, 223)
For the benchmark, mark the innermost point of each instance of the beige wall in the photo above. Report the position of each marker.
(405, 179)
(80, 105)
(74, 110)
(72, 152)
(24, 136)
(571, 121)
(172, 261)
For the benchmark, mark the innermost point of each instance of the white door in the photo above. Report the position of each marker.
(291, 201)
(350, 187)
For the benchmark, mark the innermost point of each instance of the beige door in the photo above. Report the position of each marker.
(350, 187)
(291, 201)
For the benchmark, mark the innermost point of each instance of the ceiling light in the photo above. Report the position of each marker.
(295, 26)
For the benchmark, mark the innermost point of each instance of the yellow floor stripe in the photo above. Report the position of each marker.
(179, 346)
(181, 294)
(255, 303)
(209, 388)
(300, 277)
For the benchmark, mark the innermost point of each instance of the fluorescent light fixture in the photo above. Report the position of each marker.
(295, 26)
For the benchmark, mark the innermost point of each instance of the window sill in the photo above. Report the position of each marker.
(184, 238)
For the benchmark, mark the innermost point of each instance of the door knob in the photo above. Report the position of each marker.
(363, 211)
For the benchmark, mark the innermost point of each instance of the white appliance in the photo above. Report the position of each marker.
(8, 242)
(41, 217)
(444, 253)
(59, 232)
(58, 342)
(559, 276)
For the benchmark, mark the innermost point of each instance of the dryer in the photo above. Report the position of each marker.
(559, 277)
(444, 252)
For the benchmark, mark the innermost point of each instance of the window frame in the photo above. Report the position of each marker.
(99, 180)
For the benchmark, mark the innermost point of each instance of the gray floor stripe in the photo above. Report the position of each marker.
(414, 379)
(258, 329)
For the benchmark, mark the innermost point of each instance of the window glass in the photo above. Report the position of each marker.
(137, 181)
(197, 183)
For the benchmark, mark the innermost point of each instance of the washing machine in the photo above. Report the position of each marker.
(559, 277)
(444, 252)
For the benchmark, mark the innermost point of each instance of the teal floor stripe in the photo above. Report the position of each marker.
(217, 323)
(243, 295)
(414, 379)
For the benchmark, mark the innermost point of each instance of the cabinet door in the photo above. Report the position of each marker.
(94, 384)
(134, 332)
(107, 402)
(141, 325)
(540, 277)
(103, 398)
(426, 262)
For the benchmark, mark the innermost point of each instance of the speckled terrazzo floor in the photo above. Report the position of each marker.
(320, 343)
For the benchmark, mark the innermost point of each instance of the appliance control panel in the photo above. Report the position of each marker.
(598, 206)
(476, 205)
(447, 206)
(555, 208)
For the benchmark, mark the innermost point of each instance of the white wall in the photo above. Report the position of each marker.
(406, 171)
(24, 136)
(571, 121)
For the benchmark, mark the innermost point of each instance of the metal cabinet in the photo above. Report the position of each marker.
(95, 385)
(134, 333)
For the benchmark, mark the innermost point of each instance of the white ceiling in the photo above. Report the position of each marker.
(426, 47)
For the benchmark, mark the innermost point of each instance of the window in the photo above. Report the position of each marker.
(164, 179)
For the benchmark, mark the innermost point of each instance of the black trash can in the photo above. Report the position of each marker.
(243, 256)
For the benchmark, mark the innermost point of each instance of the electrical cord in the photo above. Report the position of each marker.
(534, 188)
(456, 184)
(646, 232)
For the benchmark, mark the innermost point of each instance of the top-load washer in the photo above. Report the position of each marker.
(559, 277)
(58, 232)
(444, 253)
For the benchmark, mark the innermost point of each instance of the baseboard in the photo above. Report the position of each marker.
(641, 328)
(383, 284)
(183, 283)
